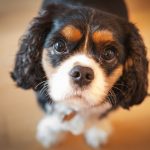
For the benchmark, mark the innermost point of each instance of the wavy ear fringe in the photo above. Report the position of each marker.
(28, 71)
(134, 82)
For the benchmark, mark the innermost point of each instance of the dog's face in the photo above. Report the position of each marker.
(89, 57)
(83, 58)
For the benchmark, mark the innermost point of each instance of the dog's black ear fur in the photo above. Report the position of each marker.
(134, 82)
(28, 71)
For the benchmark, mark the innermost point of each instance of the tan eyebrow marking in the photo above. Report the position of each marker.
(71, 33)
(102, 36)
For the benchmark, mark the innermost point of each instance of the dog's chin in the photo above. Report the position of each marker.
(78, 102)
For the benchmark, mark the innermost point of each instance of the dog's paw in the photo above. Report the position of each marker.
(96, 137)
(47, 134)
(46, 137)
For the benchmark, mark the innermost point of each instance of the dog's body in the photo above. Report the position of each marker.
(83, 59)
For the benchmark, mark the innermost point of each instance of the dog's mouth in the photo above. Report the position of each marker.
(78, 102)
(77, 96)
(73, 101)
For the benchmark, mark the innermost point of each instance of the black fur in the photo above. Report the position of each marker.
(28, 71)
(134, 82)
(116, 7)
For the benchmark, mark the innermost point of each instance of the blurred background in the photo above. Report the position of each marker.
(19, 111)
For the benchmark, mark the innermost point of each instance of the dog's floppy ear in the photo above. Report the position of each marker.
(134, 82)
(28, 71)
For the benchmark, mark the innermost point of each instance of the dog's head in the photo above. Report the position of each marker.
(87, 56)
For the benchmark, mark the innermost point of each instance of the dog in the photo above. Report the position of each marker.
(83, 59)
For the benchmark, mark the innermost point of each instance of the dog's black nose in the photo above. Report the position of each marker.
(82, 75)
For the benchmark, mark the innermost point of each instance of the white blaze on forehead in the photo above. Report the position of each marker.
(63, 89)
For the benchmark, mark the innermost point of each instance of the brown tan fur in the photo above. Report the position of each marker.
(71, 33)
(46, 65)
(102, 36)
(128, 63)
(115, 76)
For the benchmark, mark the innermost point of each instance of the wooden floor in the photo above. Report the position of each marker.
(19, 112)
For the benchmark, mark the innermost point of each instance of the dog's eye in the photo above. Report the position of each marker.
(60, 47)
(109, 54)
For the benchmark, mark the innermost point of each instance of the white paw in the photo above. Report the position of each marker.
(96, 137)
(47, 133)
(46, 137)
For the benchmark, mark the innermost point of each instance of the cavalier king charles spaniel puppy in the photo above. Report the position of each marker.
(83, 59)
